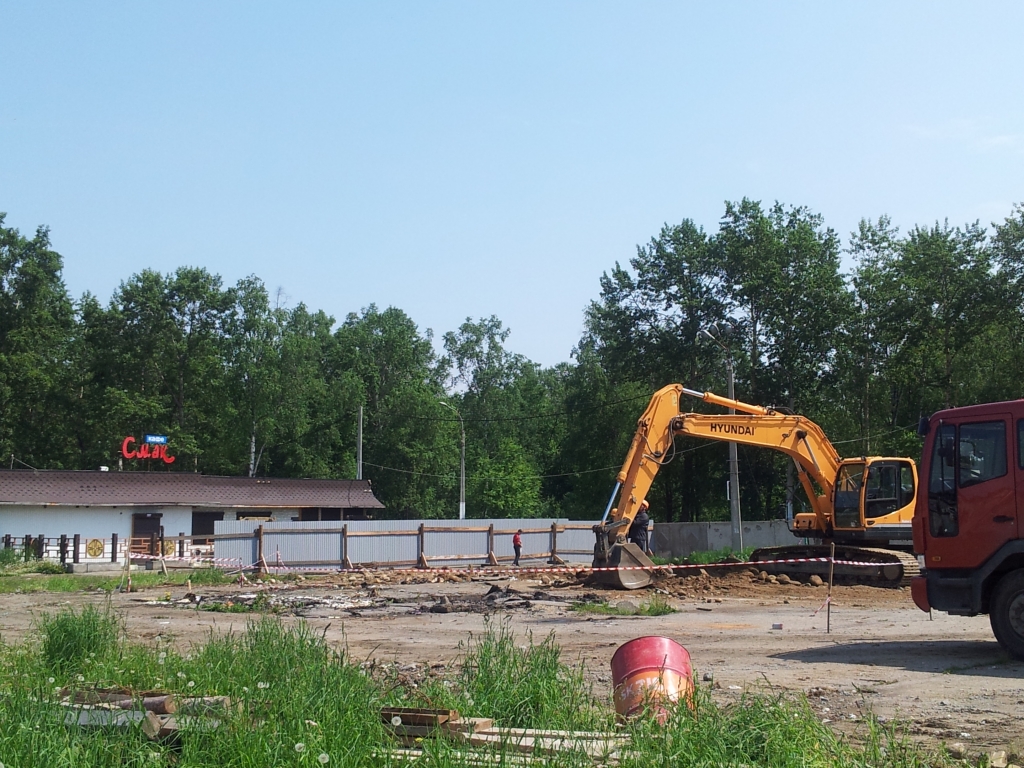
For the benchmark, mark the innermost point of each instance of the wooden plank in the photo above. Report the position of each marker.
(468, 724)
(103, 718)
(418, 716)
(163, 704)
(168, 727)
(463, 758)
(570, 735)
(530, 744)
(204, 705)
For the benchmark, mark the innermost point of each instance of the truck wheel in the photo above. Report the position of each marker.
(1006, 613)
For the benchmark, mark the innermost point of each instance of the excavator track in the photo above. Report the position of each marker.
(890, 568)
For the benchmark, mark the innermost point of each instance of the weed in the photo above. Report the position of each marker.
(704, 558)
(521, 683)
(302, 699)
(656, 606)
(70, 638)
(9, 556)
(91, 583)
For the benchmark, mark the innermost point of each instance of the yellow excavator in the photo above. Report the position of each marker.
(855, 503)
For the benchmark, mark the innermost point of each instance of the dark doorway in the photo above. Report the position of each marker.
(202, 525)
(144, 525)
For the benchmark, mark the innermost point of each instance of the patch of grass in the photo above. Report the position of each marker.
(66, 582)
(261, 604)
(15, 562)
(9, 556)
(656, 606)
(707, 557)
(519, 682)
(297, 690)
(70, 638)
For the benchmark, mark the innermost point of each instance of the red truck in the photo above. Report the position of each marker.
(967, 517)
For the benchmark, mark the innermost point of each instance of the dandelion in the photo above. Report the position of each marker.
(324, 758)
(81, 678)
(191, 683)
(182, 675)
(245, 689)
(50, 680)
(262, 686)
(162, 655)
(300, 747)
(160, 661)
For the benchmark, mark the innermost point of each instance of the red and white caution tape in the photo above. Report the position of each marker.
(236, 561)
(581, 568)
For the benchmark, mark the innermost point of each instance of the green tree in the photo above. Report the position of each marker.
(36, 325)
(411, 448)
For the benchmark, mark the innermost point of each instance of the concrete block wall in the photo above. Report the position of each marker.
(681, 539)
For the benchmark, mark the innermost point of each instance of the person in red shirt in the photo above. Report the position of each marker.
(517, 545)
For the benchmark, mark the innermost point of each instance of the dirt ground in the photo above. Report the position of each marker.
(943, 675)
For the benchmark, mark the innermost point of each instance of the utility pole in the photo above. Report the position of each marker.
(734, 470)
(359, 447)
(714, 332)
(462, 461)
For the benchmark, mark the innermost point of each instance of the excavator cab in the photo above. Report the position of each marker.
(874, 498)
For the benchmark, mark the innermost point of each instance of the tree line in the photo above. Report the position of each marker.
(243, 384)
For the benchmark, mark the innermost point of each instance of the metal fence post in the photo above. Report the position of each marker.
(63, 549)
(27, 543)
(7, 541)
(113, 547)
(259, 549)
(41, 546)
(181, 544)
(153, 544)
(555, 559)
(78, 546)
(491, 558)
(421, 555)
(345, 562)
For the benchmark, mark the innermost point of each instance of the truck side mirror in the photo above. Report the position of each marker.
(923, 426)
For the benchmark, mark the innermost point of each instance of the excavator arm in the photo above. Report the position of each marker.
(816, 459)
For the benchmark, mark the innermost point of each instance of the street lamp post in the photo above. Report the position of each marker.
(462, 461)
(713, 333)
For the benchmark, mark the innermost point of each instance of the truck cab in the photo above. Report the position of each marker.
(966, 520)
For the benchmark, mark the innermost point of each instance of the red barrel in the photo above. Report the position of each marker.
(648, 670)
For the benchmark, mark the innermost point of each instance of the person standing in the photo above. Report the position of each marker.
(638, 528)
(517, 545)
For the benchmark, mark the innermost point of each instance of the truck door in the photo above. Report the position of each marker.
(971, 493)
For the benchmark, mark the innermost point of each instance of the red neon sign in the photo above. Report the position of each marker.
(145, 451)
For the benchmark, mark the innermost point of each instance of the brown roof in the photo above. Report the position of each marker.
(109, 489)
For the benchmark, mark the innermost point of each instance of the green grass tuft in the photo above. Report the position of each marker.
(71, 638)
(656, 606)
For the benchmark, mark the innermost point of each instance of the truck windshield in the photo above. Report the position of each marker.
(847, 502)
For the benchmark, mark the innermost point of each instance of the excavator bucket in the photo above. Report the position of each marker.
(628, 556)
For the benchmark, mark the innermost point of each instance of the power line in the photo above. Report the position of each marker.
(489, 477)
(547, 415)
(520, 477)
(871, 437)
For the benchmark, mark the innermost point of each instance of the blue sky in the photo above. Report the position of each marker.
(469, 159)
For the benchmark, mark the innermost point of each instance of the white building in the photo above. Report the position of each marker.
(122, 507)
